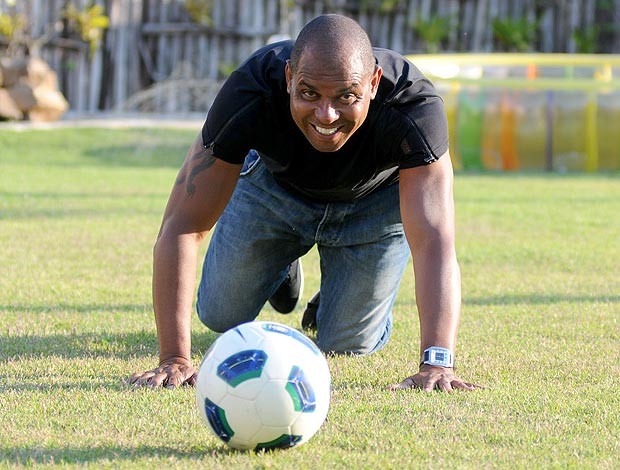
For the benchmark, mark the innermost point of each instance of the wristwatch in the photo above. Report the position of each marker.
(436, 356)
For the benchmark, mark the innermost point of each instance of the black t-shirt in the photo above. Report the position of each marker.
(405, 127)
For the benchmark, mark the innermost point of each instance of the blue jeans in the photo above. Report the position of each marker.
(361, 244)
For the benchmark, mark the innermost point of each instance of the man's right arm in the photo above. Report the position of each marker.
(202, 190)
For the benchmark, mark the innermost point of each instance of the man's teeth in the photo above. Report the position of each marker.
(326, 130)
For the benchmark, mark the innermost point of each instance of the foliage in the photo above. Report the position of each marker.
(387, 6)
(226, 69)
(384, 6)
(586, 40)
(433, 31)
(90, 23)
(12, 27)
(516, 35)
(200, 10)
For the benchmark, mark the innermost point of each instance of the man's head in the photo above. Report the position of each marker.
(331, 77)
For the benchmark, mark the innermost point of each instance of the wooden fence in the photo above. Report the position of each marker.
(156, 58)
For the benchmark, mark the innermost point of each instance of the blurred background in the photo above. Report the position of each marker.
(527, 83)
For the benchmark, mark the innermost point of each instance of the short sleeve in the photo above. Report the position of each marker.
(230, 127)
(239, 117)
(425, 138)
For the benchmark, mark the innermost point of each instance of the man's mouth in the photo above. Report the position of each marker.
(326, 131)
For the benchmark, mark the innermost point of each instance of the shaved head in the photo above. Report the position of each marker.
(331, 78)
(334, 37)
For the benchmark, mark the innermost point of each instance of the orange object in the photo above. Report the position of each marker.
(508, 149)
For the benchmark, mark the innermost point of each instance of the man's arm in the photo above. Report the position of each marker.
(427, 209)
(202, 190)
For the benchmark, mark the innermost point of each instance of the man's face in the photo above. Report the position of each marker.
(330, 102)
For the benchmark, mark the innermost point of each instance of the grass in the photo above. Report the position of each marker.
(79, 211)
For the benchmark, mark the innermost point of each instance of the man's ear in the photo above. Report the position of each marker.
(288, 73)
(374, 81)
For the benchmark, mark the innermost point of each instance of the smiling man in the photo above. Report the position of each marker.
(326, 142)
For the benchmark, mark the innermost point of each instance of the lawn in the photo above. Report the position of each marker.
(539, 253)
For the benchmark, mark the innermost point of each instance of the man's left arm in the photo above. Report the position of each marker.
(427, 210)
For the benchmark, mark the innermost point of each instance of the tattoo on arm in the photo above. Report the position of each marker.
(205, 159)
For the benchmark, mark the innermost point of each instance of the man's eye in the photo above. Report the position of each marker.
(308, 94)
(348, 98)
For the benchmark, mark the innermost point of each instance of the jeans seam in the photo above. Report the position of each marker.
(322, 223)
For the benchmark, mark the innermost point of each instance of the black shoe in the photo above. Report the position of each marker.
(287, 295)
(308, 321)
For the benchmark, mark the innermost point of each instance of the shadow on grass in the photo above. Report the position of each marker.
(539, 299)
(34, 384)
(73, 148)
(88, 345)
(77, 308)
(141, 155)
(39, 455)
(111, 308)
(40, 205)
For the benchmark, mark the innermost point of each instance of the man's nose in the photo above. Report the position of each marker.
(326, 113)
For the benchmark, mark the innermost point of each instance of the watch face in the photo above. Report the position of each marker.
(440, 357)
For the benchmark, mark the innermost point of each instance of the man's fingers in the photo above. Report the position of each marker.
(139, 379)
(151, 378)
(466, 385)
(429, 382)
(429, 386)
(444, 385)
(191, 381)
(157, 380)
(134, 378)
(170, 376)
(175, 380)
(406, 384)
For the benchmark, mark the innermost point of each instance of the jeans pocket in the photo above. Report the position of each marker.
(252, 160)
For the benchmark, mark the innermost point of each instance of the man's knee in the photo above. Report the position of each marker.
(213, 319)
(358, 345)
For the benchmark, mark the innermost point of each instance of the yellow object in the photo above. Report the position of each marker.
(539, 111)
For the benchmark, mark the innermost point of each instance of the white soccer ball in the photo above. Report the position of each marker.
(263, 385)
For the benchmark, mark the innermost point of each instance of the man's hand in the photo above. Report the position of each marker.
(431, 377)
(170, 374)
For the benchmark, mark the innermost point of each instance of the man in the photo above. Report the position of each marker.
(326, 142)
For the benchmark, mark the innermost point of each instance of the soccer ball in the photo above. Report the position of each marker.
(263, 385)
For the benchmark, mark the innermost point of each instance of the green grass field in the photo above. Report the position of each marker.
(540, 257)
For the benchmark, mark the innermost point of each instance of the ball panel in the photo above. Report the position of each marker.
(242, 366)
(301, 391)
(243, 420)
(244, 336)
(292, 333)
(282, 442)
(216, 417)
(274, 405)
(249, 389)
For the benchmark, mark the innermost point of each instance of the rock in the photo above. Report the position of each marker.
(12, 69)
(51, 105)
(23, 95)
(8, 107)
(30, 90)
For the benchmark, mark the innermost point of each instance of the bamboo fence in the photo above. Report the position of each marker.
(156, 58)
